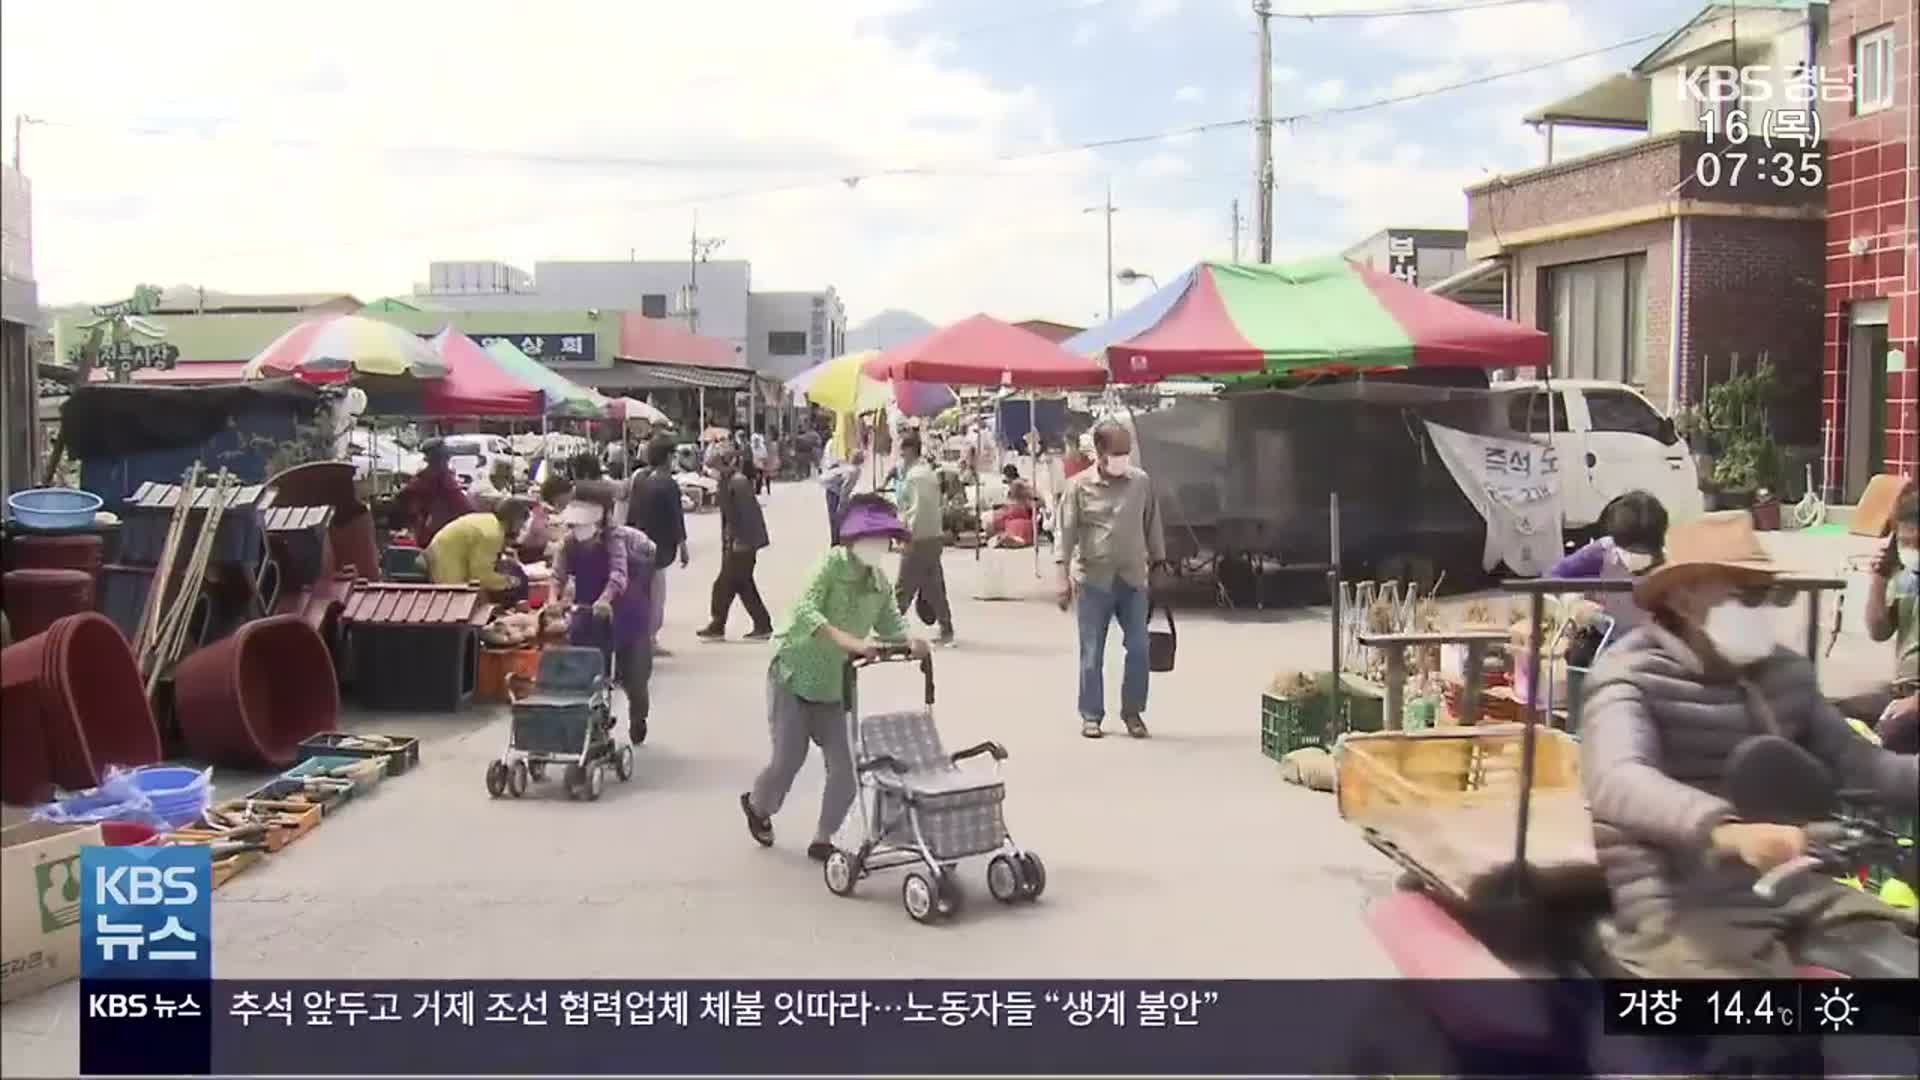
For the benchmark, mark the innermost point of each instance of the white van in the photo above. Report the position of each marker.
(1610, 440)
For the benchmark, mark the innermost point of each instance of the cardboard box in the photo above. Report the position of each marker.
(40, 905)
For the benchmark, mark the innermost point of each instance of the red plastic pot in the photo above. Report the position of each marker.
(246, 701)
(79, 689)
(79, 551)
(126, 833)
(35, 599)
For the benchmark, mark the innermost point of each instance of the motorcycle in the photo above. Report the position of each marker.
(1524, 924)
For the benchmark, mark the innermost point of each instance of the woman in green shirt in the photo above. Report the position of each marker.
(848, 602)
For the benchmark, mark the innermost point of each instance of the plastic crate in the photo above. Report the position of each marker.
(1290, 723)
(404, 755)
(366, 773)
(414, 667)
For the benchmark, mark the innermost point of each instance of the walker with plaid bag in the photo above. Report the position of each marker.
(919, 807)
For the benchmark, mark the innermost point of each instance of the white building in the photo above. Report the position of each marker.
(789, 332)
(780, 333)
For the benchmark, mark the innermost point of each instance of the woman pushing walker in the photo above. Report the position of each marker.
(609, 566)
(848, 601)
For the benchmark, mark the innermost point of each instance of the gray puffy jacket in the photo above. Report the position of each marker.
(1656, 731)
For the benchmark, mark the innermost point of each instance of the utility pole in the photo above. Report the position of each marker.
(1236, 229)
(698, 251)
(1107, 208)
(1263, 132)
(20, 121)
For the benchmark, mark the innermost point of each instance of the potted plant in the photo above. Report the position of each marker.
(1746, 458)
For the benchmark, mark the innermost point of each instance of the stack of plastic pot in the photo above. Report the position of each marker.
(71, 704)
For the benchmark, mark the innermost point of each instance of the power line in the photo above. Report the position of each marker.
(1395, 13)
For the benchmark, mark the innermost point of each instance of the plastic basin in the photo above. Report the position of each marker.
(54, 508)
(36, 599)
(126, 833)
(248, 700)
(79, 687)
(178, 794)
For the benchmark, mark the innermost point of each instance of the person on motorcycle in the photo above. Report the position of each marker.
(1665, 707)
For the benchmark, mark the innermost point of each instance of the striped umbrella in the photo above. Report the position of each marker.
(339, 347)
(1322, 315)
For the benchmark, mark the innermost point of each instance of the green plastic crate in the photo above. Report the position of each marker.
(1289, 723)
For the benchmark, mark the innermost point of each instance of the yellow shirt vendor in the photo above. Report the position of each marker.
(468, 548)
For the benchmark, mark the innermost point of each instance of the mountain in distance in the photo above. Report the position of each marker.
(889, 328)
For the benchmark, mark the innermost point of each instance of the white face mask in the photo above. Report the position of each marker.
(1740, 634)
(1910, 557)
(869, 550)
(1117, 464)
(1636, 562)
(585, 532)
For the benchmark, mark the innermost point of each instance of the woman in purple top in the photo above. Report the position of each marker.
(610, 567)
(1636, 537)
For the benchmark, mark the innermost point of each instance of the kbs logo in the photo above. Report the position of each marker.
(146, 913)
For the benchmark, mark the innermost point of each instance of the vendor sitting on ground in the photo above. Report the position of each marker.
(469, 549)
(1665, 708)
(434, 496)
(1013, 522)
(609, 567)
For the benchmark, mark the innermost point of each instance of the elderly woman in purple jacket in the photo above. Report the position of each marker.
(1635, 538)
(607, 567)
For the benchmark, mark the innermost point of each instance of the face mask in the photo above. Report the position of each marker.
(1910, 557)
(1636, 562)
(584, 533)
(1740, 634)
(868, 551)
(1118, 464)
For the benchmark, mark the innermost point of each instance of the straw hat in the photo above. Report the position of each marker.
(1712, 545)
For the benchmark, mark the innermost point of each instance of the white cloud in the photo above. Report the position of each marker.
(1326, 92)
(1084, 33)
(1163, 165)
(1189, 95)
(1152, 11)
(293, 180)
(1282, 74)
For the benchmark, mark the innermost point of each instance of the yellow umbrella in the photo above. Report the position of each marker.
(842, 385)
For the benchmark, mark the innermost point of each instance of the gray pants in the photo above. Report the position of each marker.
(792, 723)
(922, 577)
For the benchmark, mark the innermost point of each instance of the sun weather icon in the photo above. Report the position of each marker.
(1836, 1009)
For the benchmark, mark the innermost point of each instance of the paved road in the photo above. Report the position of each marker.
(1181, 856)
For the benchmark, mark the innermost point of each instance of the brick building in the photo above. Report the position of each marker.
(1872, 257)
(1652, 266)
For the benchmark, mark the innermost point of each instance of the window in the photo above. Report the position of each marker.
(654, 305)
(787, 342)
(1617, 410)
(1873, 71)
(1599, 318)
(1527, 413)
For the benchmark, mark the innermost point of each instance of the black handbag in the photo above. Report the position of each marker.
(1161, 644)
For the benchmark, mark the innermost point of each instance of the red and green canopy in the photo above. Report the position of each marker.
(1314, 316)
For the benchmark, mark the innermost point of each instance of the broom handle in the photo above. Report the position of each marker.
(163, 574)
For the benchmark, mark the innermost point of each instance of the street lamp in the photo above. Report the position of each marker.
(1129, 276)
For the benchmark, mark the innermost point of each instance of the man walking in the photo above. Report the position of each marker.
(653, 507)
(743, 532)
(839, 482)
(1109, 543)
(921, 507)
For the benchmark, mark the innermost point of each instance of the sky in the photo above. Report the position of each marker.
(927, 155)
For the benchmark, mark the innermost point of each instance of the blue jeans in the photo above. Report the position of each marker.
(1097, 608)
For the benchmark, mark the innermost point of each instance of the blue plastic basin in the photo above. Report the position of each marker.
(178, 794)
(54, 508)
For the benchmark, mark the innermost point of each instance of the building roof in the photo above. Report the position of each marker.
(1055, 332)
(187, 373)
(1618, 101)
(190, 299)
(662, 341)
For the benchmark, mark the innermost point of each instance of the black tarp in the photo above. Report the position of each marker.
(1250, 473)
(117, 421)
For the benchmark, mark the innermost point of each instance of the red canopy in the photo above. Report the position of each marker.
(983, 351)
(475, 384)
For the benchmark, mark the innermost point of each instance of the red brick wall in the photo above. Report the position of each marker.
(1752, 291)
(1872, 185)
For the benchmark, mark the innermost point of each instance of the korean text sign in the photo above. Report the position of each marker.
(146, 912)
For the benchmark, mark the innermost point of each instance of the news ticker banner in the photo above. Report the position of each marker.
(918, 1027)
(150, 1006)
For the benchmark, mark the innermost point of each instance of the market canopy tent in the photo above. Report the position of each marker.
(339, 347)
(1314, 316)
(633, 410)
(475, 385)
(983, 351)
(843, 386)
(564, 397)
